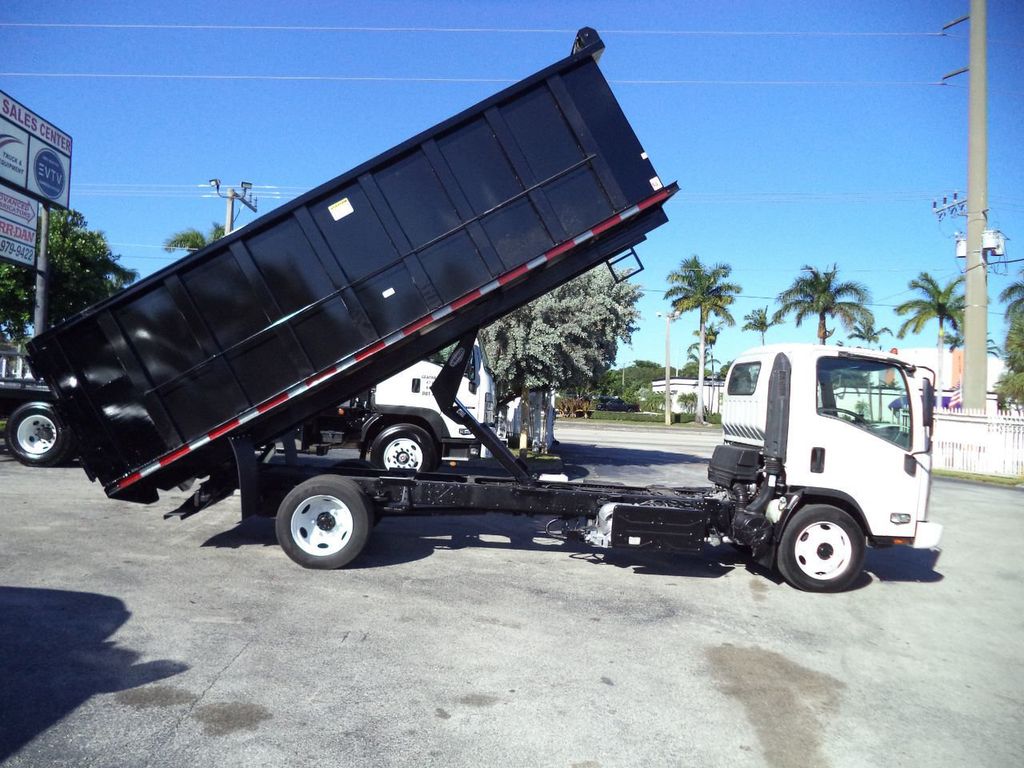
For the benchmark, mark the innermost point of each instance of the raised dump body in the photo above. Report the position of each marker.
(353, 281)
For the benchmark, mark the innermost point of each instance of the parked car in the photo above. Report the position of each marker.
(611, 403)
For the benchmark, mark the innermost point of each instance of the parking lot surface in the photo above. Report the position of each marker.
(127, 640)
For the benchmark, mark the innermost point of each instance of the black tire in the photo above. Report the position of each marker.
(36, 437)
(324, 522)
(404, 446)
(821, 550)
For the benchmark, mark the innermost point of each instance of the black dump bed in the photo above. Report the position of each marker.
(353, 281)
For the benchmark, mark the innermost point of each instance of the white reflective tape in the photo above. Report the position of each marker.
(539, 261)
(147, 471)
(199, 443)
(583, 238)
(247, 417)
(491, 286)
(631, 212)
(442, 312)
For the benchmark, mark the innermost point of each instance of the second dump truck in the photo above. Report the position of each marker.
(192, 373)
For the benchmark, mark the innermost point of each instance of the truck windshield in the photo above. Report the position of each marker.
(868, 394)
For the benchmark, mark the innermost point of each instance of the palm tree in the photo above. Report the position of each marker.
(193, 239)
(867, 333)
(955, 340)
(758, 321)
(819, 294)
(697, 287)
(1014, 294)
(936, 303)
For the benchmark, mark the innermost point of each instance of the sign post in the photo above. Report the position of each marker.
(35, 165)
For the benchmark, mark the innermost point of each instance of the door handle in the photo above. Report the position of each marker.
(817, 460)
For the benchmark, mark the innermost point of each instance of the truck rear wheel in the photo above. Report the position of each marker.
(404, 446)
(324, 522)
(821, 550)
(35, 436)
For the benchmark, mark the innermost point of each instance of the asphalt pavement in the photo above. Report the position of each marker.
(127, 640)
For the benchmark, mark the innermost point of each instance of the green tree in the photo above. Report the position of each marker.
(566, 339)
(936, 302)
(1011, 383)
(758, 321)
(193, 239)
(820, 294)
(706, 290)
(1014, 294)
(83, 271)
(867, 333)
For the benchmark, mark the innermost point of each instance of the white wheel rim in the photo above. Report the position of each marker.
(403, 453)
(321, 525)
(823, 551)
(36, 435)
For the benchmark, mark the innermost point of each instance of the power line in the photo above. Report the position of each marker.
(467, 30)
(467, 80)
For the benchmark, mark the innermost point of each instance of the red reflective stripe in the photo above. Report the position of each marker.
(224, 429)
(608, 224)
(125, 482)
(413, 327)
(652, 200)
(272, 403)
(317, 378)
(371, 351)
(174, 456)
(467, 299)
(558, 250)
(508, 277)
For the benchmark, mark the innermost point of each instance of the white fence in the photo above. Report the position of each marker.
(13, 366)
(973, 441)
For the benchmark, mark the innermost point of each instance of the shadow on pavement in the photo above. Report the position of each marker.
(404, 540)
(903, 564)
(55, 655)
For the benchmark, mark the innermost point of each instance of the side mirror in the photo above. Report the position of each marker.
(928, 403)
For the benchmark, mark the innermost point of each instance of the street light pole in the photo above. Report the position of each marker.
(230, 196)
(669, 317)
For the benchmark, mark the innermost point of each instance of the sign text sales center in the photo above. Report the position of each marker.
(35, 158)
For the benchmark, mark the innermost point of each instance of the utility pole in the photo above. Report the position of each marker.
(975, 381)
(42, 273)
(976, 312)
(230, 196)
(669, 317)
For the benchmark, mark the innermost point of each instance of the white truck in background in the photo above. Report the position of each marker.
(398, 425)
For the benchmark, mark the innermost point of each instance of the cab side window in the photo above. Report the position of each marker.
(743, 378)
(871, 395)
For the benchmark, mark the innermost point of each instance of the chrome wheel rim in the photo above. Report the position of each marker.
(322, 525)
(403, 453)
(36, 435)
(823, 551)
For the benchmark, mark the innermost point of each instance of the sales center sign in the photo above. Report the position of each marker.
(35, 155)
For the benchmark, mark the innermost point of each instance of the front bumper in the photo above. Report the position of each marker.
(927, 535)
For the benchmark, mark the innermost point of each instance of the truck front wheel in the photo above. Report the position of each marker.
(821, 550)
(324, 522)
(35, 436)
(404, 446)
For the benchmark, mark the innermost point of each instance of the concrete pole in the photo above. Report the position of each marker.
(229, 215)
(668, 369)
(42, 274)
(976, 313)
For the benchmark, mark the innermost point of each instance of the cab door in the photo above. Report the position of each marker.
(859, 440)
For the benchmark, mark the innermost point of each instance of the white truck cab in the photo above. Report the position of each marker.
(831, 449)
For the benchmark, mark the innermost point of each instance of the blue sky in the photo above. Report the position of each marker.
(777, 168)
